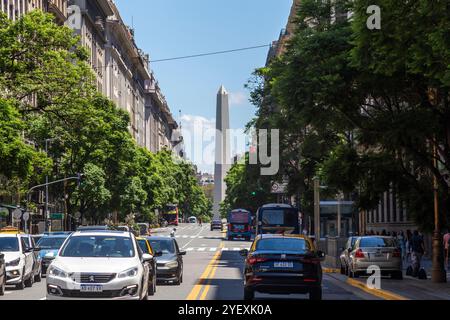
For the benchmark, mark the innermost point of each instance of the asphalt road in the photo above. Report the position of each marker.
(212, 271)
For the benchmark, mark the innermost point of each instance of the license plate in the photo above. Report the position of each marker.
(283, 264)
(91, 289)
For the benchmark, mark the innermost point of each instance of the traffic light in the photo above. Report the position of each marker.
(254, 193)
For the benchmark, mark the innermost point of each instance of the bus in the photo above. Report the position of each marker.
(171, 215)
(277, 219)
(239, 224)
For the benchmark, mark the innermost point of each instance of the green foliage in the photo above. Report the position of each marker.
(47, 91)
(361, 108)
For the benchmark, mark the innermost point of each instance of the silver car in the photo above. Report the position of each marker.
(382, 252)
(345, 255)
(99, 265)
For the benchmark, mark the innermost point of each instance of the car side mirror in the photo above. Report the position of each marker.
(37, 249)
(147, 257)
(158, 254)
(182, 253)
(243, 253)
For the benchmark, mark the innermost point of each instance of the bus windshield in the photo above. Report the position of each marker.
(239, 217)
(279, 217)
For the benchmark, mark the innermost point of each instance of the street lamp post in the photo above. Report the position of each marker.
(46, 189)
(438, 274)
(317, 211)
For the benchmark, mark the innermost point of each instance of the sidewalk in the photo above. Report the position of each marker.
(407, 289)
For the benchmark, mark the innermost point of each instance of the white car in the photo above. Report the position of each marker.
(99, 265)
(19, 260)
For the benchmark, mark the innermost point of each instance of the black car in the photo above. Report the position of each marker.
(169, 266)
(282, 264)
(217, 224)
(2, 274)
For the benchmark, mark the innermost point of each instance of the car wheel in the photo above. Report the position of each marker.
(342, 269)
(21, 285)
(30, 281)
(38, 277)
(152, 287)
(249, 294)
(3, 285)
(315, 294)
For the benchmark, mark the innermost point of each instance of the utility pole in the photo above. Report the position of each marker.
(46, 192)
(317, 211)
(438, 273)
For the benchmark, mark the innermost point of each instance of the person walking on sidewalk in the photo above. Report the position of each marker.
(402, 243)
(408, 245)
(446, 247)
(418, 250)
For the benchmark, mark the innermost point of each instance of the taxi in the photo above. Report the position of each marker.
(145, 246)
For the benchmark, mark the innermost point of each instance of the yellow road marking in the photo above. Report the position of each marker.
(205, 275)
(211, 276)
(331, 270)
(386, 295)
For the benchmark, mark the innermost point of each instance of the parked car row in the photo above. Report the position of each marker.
(360, 253)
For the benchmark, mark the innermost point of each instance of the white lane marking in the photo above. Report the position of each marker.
(236, 249)
(190, 249)
(185, 237)
(199, 233)
(42, 299)
(212, 249)
(201, 249)
(177, 236)
(224, 249)
(193, 237)
(201, 237)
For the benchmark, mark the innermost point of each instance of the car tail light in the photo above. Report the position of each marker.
(254, 260)
(229, 226)
(397, 253)
(359, 254)
(309, 280)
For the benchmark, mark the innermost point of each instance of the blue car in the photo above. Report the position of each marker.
(50, 244)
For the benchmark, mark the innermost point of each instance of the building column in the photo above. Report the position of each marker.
(380, 212)
(397, 209)
(391, 206)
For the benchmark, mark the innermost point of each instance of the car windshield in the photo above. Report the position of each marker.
(377, 243)
(164, 246)
(283, 244)
(50, 243)
(143, 245)
(98, 247)
(9, 244)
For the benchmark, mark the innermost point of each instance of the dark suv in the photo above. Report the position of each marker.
(217, 224)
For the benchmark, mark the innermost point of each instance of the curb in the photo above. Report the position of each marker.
(330, 270)
(386, 295)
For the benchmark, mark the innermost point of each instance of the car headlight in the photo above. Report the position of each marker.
(56, 272)
(130, 273)
(171, 264)
(13, 263)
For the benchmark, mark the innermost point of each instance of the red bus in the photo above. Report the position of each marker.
(171, 215)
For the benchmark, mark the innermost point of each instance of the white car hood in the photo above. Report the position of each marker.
(11, 256)
(94, 265)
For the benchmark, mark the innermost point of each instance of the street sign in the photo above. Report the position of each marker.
(17, 214)
(56, 216)
(26, 216)
(279, 188)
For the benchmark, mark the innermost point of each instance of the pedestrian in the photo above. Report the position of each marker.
(383, 233)
(446, 247)
(402, 243)
(200, 222)
(408, 245)
(418, 250)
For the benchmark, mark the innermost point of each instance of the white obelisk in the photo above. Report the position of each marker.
(223, 157)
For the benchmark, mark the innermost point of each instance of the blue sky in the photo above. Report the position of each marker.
(172, 28)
